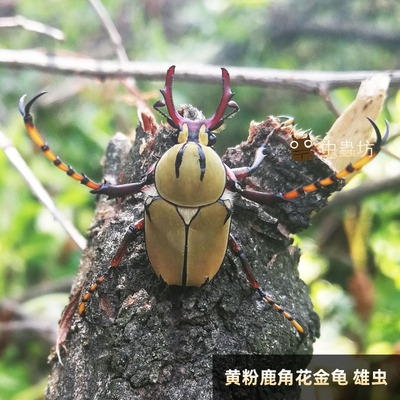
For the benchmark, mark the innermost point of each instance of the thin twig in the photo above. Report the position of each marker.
(116, 40)
(393, 137)
(13, 327)
(111, 30)
(145, 114)
(338, 28)
(326, 96)
(389, 153)
(30, 25)
(23, 321)
(59, 286)
(308, 81)
(38, 190)
(359, 193)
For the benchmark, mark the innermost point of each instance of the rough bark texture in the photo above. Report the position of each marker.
(149, 341)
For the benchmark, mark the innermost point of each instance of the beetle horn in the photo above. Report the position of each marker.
(174, 118)
(212, 123)
(218, 118)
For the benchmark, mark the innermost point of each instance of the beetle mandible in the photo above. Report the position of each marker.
(190, 191)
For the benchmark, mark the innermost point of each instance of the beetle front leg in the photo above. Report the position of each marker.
(128, 238)
(238, 251)
(38, 140)
(261, 152)
(351, 167)
(113, 191)
(263, 198)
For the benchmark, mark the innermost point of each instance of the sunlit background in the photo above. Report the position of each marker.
(351, 256)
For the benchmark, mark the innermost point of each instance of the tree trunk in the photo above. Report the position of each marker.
(150, 341)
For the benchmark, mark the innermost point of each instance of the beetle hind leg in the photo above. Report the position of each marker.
(238, 251)
(128, 238)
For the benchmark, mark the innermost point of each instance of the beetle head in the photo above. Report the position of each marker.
(196, 131)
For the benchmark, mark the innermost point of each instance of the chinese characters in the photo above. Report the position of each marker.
(303, 377)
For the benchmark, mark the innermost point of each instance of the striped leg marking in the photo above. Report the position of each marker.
(238, 251)
(128, 238)
(35, 136)
(348, 170)
(244, 172)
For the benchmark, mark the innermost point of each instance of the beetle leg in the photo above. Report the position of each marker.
(127, 189)
(238, 251)
(312, 187)
(35, 136)
(114, 191)
(128, 238)
(111, 190)
(264, 198)
(261, 152)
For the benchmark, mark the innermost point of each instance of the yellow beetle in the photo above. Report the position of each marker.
(190, 200)
(189, 197)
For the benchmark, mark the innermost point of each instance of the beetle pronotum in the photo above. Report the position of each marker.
(191, 191)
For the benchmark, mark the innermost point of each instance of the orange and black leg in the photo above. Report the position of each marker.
(352, 167)
(111, 190)
(237, 250)
(265, 198)
(261, 152)
(130, 235)
(35, 136)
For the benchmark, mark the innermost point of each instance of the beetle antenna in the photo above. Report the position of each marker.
(157, 105)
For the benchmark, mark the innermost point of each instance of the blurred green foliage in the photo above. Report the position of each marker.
(79, 115)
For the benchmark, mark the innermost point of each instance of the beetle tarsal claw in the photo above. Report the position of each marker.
(25, 111)
(21, 105)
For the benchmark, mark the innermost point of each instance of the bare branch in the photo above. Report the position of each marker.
(38, 190)
(308, 81)
(394, 136)
(340, 29)
(12, 327)
(30, 25)
(60, 286)
(22, 321)
(389, 153)
(111, 29)
(326, 96)
(144, 112)
(359, 193)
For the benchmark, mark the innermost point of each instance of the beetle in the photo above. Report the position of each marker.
(190, 190)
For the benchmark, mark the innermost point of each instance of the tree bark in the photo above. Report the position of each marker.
(150, 341)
